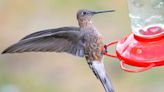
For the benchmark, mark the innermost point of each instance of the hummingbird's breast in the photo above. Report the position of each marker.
(93, 45)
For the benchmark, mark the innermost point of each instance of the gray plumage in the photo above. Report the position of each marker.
(66, 39)
(84, 41)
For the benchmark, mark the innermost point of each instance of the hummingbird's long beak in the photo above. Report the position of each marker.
(105, 11)
(99, 71)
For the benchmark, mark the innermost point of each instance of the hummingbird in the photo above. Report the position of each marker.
(83, 41)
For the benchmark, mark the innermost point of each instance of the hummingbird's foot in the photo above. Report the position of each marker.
(104, 49)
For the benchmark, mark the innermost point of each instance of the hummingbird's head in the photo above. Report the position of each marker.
(87, 14)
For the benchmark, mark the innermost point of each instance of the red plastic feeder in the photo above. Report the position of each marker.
(145, 51)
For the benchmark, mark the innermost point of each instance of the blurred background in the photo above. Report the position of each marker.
(52, 72)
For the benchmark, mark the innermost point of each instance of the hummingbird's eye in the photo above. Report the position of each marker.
(84, 13)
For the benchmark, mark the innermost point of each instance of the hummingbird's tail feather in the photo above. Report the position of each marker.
(99, 71)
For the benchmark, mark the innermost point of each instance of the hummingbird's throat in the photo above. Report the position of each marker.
(86, 24)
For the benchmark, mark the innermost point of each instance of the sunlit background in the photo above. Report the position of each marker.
(52, 72)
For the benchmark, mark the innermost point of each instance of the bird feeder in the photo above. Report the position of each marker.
(144, 47)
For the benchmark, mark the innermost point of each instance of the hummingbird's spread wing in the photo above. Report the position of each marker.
(66, 39)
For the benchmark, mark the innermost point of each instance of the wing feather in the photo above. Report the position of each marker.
(66, 39)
